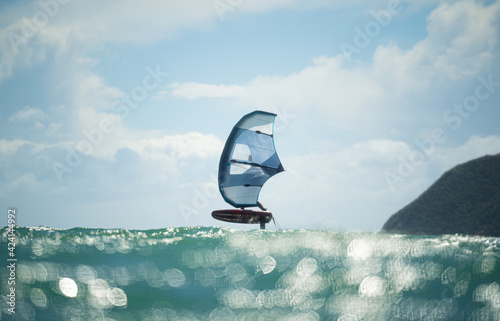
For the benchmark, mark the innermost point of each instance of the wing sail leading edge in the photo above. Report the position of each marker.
(249, 159)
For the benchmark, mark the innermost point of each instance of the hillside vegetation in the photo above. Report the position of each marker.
(464, 200)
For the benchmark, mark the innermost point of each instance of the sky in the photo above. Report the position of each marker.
(114, 114)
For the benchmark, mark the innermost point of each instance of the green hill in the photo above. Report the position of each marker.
(464, 200)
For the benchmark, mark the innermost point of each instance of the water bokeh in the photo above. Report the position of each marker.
(211, 273)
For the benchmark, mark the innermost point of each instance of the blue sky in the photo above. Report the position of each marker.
(115, 114)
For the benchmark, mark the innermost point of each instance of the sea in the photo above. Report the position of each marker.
(213, 273)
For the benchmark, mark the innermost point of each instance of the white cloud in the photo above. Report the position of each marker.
(350, 95)
(9, 147)
(191, 144)
(120, 21)
(97, 116)
(326, 86)
(37, 125)
(28, 114)
(53, 130)
(27, 182)
(77, 26)
(91, 90)
(348, 185)
(458, 47)
(193, 91)
(119, 159)
(476, 146)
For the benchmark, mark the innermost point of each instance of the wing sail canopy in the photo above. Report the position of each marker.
(249, 159)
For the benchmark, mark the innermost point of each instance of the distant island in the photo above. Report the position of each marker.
(464, 200)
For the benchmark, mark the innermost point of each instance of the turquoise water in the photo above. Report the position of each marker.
(209, 273)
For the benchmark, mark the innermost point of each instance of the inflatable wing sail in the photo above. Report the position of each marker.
(248, 160)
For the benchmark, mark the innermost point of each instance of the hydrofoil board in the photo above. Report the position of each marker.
(242, 216)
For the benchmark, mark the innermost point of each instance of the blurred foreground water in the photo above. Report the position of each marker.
(209, 273)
